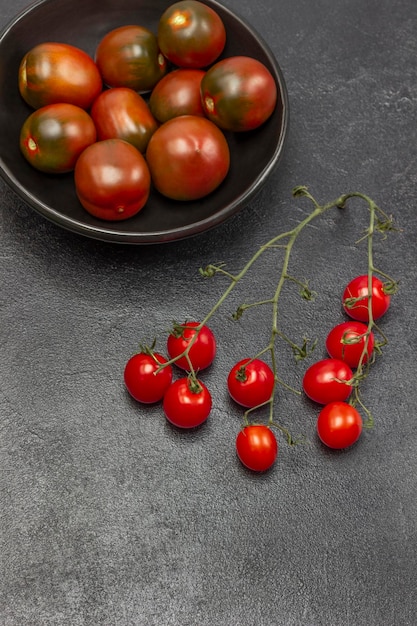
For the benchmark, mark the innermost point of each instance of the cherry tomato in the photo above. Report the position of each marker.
(339, 425)
(187, 404)
(112, 180)
(238, 93)
(129, 56)
(355, 299)
(141, 379)
(201, 353)
(328, 381)
(188, 157)
(350, 340)
(177, 93)
(122, 113)
(250, 382)
(57, 72)
(257, 447)
(53, 137)
(191, 34)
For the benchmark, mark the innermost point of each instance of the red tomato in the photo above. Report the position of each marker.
(328, 381)
(238, 93)
(339, 425)
(129, 56)
(356, 297)
(141, 379)
(250, 382)
(177, 93)
(121, 113)
(191, 34)
(53, 137)
(257, 447)
(350, 342)
(57, 72)
(187, 404)
(201, 353)
(112, 180)
(188, 157)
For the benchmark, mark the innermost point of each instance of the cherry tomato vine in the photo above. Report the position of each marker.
(370, 340)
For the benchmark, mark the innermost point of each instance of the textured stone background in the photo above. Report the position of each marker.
(109, 517)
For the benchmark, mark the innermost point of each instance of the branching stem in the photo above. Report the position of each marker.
(378, 221)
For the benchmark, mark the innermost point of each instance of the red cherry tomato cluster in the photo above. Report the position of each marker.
(187, 402)
(191, 347)
(350, 345)
(168, 94)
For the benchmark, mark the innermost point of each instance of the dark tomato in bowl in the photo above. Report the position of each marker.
(129, 56)
(122, 113)
(239, 93)
(112, 180)
(53, 137)
(191, 34)
(188, 157)
(177, 93)
(58, 72)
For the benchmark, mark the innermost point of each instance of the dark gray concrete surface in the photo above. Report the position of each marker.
(109, 517)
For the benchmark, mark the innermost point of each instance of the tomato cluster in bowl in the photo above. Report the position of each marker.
(151, 109)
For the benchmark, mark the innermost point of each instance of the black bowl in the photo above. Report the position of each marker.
(83, 23)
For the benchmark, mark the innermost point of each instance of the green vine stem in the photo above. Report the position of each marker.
(379, 222)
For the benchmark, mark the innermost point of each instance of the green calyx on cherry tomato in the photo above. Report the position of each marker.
(328, 380)
(202, 351)
(188, 157)
(112, 180)
(53, 137)
(350, 342)
(177, 93)
(143, 380)
(257, 447)
(53, 72)
(191, 34)
(238, 93)
(122, 113)
(339, 425)
(129, 56)
(251, 382)
(357, 299)
(187, 403)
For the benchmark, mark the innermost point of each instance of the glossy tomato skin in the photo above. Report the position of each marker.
(141, 379)
(250, 382)
(188, 157)
(112, 180)
(177, 93)
(53, 72)
(122, 113)
(238, 93)
(53, 137)
(350, 342)
(355, 299)
(257, 447)
(187, 407)
(339, 425)
(191, 34)
(201, 353)
(129, 56)
(327, 381)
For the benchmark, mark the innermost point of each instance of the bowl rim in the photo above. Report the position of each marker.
(109, 232)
